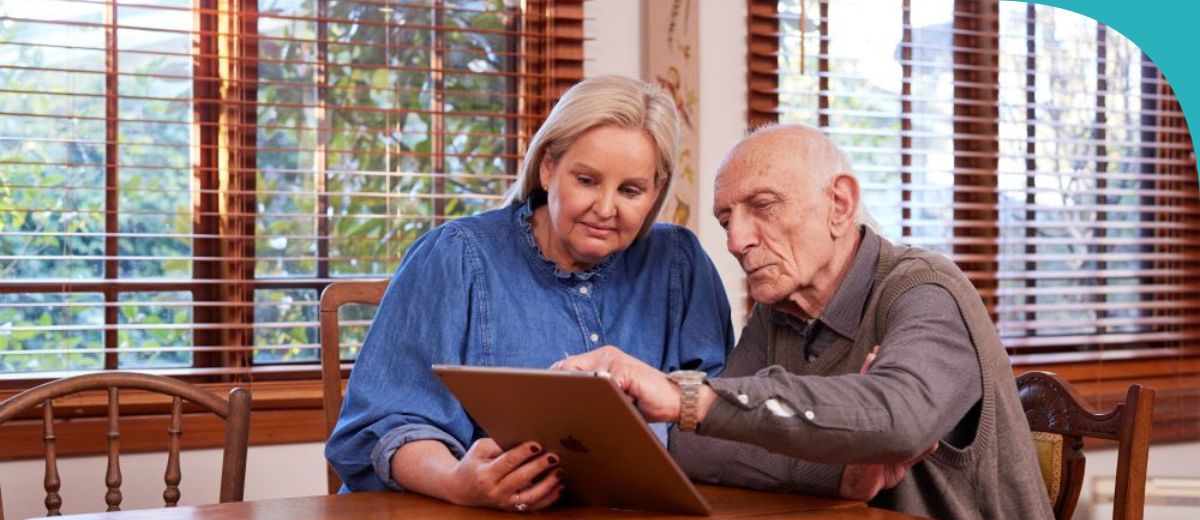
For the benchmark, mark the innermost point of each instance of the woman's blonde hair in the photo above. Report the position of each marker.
(604, 100)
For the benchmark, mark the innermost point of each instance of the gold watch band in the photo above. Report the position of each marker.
(689, 382)
(689, 401)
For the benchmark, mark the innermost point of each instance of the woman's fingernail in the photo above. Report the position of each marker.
(535, 448)
(552, 459)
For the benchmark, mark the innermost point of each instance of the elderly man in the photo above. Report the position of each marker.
(805, 403)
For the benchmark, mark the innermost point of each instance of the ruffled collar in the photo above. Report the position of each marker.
(539, 262)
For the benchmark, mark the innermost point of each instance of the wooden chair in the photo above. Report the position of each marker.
(235, 412)
(1060, 419)
(333, 298)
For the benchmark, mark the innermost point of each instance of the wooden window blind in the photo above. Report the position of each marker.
(1039, 149)
(179, 179)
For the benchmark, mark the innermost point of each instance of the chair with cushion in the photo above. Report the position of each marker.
(235, 411)
(333, 298)
(1060, 418)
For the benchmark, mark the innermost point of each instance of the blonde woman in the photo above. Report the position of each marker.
(573, 262)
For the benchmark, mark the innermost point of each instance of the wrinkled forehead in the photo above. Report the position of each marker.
(761, 159)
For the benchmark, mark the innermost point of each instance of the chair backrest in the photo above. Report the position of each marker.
(235, 411)
(333, 298)
(1060, 419)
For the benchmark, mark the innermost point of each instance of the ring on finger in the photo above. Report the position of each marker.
(520, 506)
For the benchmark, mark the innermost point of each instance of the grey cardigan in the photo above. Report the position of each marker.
(853, 418)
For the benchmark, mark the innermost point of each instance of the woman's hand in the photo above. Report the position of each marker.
(520, 479)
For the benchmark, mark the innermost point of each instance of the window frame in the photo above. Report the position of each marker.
(1101, 376)
(287, 398)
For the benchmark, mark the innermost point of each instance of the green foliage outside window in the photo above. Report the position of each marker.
(384, 182)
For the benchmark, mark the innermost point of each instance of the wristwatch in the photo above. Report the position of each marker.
(689, 382)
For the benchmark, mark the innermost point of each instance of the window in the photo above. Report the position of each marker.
(1039, 149)
(179, 179)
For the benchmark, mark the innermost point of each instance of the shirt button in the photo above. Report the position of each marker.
(808, 414)
(583, 290)
(594, 337)
(743, 398)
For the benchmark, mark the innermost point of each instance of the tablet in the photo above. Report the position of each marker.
(609, 455)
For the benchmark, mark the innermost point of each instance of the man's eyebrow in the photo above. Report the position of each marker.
(765, 190)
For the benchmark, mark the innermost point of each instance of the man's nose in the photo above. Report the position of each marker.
(741, 235)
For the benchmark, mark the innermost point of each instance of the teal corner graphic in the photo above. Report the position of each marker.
(1166, 32)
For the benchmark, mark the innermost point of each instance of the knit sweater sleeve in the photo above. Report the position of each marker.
(924, 381)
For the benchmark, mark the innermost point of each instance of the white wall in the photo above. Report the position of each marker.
(614, 45)
(1166, 460)
(722, 124)
(271, 472)
(614, 48)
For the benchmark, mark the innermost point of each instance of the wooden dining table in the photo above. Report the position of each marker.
(726, 502)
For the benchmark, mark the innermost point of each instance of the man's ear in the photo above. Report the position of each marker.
(843, 201)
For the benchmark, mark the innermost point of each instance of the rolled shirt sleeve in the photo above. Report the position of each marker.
(393, 396)
(381, 456)
(923, 382)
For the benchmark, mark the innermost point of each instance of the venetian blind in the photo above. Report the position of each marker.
(179, 179)
(1039, 149)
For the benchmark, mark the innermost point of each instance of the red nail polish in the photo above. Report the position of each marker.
(552, 459)
(535, 448)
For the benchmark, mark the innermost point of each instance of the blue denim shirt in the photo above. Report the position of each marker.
(477, 291)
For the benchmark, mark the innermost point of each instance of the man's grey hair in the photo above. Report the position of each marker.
(821, 159)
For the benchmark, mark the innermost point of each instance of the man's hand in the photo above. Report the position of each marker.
(653, 394)
(864, 481)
